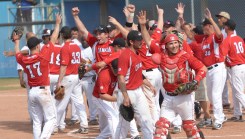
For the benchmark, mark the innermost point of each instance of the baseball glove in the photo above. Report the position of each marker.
(59, 93)
(18, 30)
(81, 71)
(186, 88)
(126, 112)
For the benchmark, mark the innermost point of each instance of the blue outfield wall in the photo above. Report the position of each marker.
(7, 64)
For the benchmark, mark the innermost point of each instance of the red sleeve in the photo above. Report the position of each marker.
(157, 35)
(91, 39)
(199, 38)
(196, 65)
(18, 57)
(154, 47)
(187, 48)
(123, 63)
(119, 36)
(64, 56)
(225, 47)
(111, 57)
(218, 40)
(47, 50)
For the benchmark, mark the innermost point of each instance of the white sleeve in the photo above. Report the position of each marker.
(19, 67)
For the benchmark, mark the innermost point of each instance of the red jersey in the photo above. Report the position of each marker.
(112, 57)
(197, 49)
(54, 63)
(145, 51)
(233, 48)
(101, 51)
(130, 66)
(36, 66)
(186, 47)
(157, 35)
(70, 56)
(106, 83)
(211, 50)
(177, 69)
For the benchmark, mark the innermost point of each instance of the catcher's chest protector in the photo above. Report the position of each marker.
(175, 70)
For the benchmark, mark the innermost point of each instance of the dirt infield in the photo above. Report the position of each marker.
(15, 123)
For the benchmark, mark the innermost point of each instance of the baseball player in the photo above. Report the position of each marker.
(222, 18)
(213, 59)
(118, 45)
(130, 93)
(201, 92)
(173, 63)
(36, 67)
(70, 57)
(150, 69)
(45, 37)
(88, 81)
(235, 61)
(172, 60)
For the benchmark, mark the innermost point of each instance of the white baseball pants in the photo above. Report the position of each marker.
(238, 86)
(42, 109)
(73, 91)
(142, 114)
(108, 118)
(215, 79)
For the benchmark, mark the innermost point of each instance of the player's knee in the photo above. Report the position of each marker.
(191, 129)
(161, 130)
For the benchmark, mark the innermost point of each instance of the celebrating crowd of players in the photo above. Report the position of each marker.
(133, 65)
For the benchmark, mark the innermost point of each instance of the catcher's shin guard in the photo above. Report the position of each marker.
(161, 131)
(191, 130)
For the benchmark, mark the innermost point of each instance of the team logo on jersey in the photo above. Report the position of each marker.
(138, 66)
(101, 87)
(119, 69)
(108, 49)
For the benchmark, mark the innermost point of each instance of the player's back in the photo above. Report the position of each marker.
(234, 50)
(71, 57)
(36, 66)
(55, 60)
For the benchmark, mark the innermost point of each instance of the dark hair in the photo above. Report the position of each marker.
(230, 24)
(66, 32)
(74, 29)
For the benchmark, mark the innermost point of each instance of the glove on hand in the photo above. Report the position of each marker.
(186, 88)
(127, 112)
(82, 69)
(59, 93)
(18, 30)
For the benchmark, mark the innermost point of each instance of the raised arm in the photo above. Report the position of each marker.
(129, 14)
(180, 10)
(217, 30)
(118, 26)
(160, 13)
(55, 34)
(142, 21)
(82, 29)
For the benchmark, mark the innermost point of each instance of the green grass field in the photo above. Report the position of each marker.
(9, 84)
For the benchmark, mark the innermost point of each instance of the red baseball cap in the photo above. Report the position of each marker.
(171, 37)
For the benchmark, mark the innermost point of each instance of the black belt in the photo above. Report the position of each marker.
(211, 67)
(171, 94)
(40, 87)
(149, 70)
